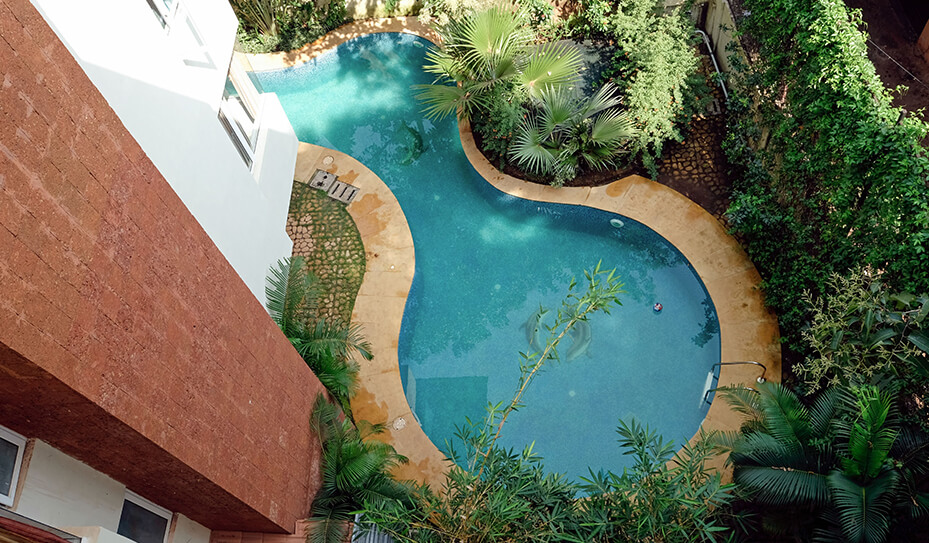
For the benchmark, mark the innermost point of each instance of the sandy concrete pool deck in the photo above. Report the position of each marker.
(748, 331)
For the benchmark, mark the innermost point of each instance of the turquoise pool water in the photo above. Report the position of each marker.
(486, 261)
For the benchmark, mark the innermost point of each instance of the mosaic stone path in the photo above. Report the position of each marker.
(325, 234)
(697, 166)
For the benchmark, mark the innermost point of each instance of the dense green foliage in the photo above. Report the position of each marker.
(568, 133)
(355, 470)
(654, 66)
(493, 494)
(483, 50)
(842, 469)
(326, 346)
(829, 175)
(861, 332)
(498, 62)
(284, 25)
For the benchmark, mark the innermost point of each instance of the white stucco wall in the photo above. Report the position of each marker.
(167, 93)
(61, 491)
(69, 495)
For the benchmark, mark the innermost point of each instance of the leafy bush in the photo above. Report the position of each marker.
(497, 127)
(654, 66)
(828, 156)
(295, 23)
(494, 494)
(842, 469)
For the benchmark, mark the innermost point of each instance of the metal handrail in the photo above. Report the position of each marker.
(764, 369)
(707, 394)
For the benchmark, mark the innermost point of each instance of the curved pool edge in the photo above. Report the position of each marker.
(330, 40)
(748, 329)
(390, 263)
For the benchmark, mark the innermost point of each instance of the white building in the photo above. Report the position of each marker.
(165, 67)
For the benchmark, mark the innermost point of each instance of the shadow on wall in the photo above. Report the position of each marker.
(366, 9)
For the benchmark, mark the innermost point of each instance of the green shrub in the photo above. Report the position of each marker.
(655, 67)
(830, 158)
(297, 23)
(499, 124)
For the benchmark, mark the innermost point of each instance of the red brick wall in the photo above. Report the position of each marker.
(126, 339)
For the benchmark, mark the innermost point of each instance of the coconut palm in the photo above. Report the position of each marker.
(486, 49)
(570, 132)
(355, 472)
(845, 459)
(327, 347)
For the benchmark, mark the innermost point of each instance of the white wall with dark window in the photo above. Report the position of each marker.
(12, 446)
(67, 494)
(163, 66)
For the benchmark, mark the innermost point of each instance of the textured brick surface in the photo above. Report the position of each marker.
(126, 339)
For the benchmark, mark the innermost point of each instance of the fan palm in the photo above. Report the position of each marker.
(355, 474)
(488, 48)
(840, 458)
(327, 347)
(570, 132)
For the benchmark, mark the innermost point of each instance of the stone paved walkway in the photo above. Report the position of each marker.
(697, 166)
(325, 235)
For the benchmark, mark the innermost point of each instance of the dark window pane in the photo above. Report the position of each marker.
(8, 452)
(141, 525)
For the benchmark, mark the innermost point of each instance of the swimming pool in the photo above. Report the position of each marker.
(486, 261)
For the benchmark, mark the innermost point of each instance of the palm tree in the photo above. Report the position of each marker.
(570, 132)
(327, 347)
(843, 465)
(486, 49)
(355, 474)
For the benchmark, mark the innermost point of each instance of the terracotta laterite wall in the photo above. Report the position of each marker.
(126, 339)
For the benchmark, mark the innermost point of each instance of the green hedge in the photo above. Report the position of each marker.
(840, 180)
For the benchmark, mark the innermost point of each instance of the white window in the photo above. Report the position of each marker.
(11, 460)
(239, 110)
(164, 10)
(142, 521)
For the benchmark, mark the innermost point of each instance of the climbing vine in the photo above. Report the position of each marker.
(830, 175)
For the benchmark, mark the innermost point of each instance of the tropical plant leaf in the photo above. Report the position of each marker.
(551, 65)
(864, 511)
(291, 291)
(442, 100)
(781, 486)
(529, 149)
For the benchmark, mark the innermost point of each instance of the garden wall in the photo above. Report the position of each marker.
(127, 341)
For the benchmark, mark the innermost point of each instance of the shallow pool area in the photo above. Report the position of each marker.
(486, 263)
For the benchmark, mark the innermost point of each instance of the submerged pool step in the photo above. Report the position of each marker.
(342, 192)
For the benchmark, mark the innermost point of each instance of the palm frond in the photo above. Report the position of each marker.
(529, 150)
(613, 128)
(605, 98)
(291, 291)
(780, 486)
(491, 37)
(864, 511)
(551, 65)
(785, 417)
(442, 100)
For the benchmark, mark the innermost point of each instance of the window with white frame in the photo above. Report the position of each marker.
(12, 446)
(164, 10)
(238, 111)
(142, 521)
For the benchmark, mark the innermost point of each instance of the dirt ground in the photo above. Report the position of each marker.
(892, 48)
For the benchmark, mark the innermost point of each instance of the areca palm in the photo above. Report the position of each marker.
(488, 48)
(570, 132)
(355, 472)
(842, 458)
(327, 347)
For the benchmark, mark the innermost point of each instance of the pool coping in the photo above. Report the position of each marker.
(748, 330)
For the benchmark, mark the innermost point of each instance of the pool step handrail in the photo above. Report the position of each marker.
(760, 379)
(707, 394)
